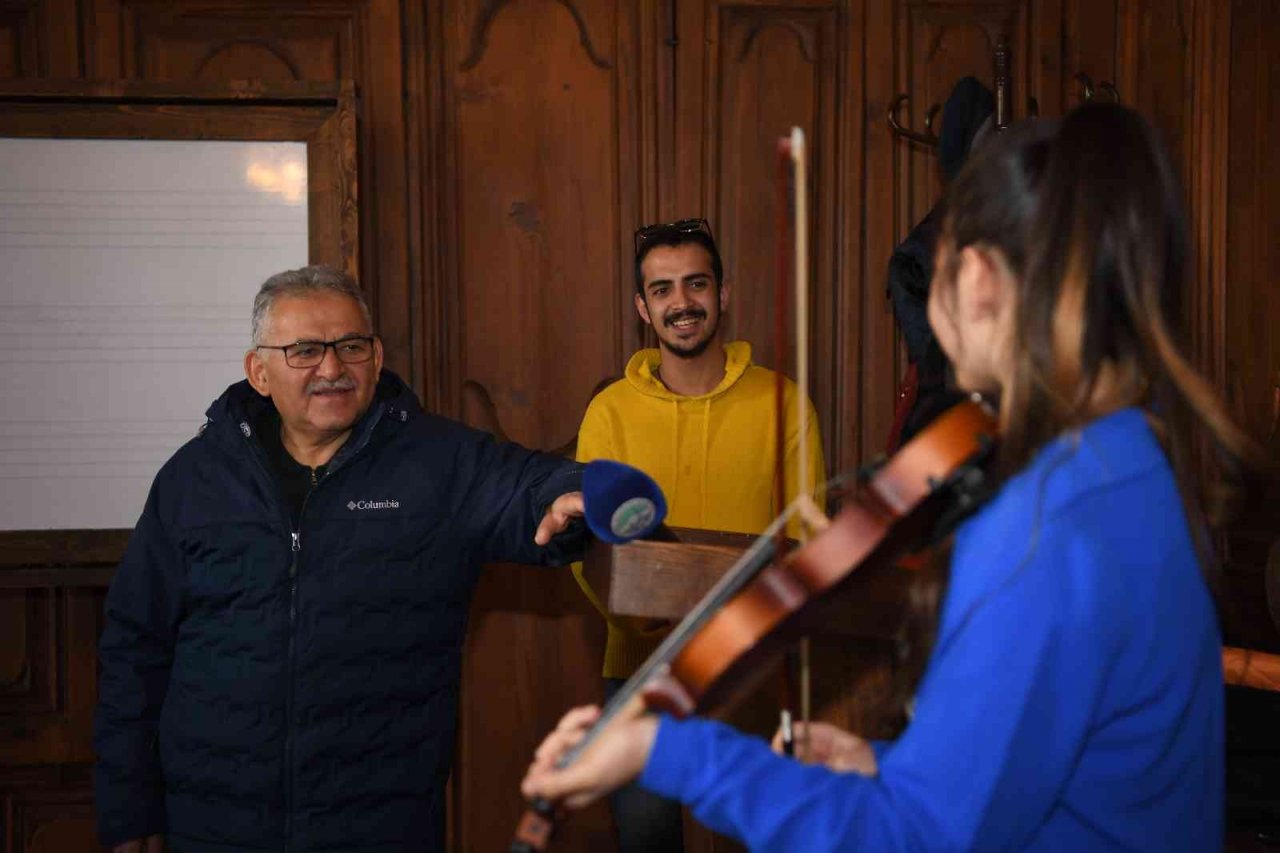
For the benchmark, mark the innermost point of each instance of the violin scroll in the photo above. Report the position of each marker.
(536, 826)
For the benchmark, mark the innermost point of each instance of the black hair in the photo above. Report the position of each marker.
(674, 237)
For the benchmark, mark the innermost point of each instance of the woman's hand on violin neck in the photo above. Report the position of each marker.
(615, 757)
(831, 747)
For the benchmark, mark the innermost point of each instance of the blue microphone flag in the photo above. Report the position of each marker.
(621, 503)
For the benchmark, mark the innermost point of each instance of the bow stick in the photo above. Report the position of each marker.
(792, 164)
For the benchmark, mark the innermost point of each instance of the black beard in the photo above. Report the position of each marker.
(692, 352)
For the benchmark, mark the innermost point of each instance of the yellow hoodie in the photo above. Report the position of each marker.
(712, 455)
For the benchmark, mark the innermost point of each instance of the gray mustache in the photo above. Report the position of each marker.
(343, 383)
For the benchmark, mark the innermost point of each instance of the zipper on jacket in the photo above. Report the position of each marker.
(295, 545)
(295, 548)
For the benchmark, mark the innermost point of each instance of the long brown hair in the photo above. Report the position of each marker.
(1088, 215)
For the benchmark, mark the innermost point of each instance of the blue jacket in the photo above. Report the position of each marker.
(269, 689)
(1073, 700)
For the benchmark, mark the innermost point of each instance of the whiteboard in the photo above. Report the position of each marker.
(127, 275)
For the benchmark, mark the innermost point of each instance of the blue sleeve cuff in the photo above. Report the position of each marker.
(677, 756)
(673, 757)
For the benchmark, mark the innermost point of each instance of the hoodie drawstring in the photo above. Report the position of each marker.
(706, 442)
(675, 457)
(675, 451)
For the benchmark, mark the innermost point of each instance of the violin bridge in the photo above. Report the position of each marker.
(813, 518)
(810, 515)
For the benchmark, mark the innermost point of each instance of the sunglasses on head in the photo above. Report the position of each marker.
(648, 233)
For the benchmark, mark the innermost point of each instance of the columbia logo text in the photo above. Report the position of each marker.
(355, 505)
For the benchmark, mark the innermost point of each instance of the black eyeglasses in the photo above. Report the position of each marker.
(648, 233)
(353, 349)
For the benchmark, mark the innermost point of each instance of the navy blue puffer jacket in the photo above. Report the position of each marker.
(270, 689)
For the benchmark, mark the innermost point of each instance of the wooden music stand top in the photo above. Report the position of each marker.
(666, 576)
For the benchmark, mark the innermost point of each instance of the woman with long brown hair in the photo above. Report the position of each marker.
(1072, 697)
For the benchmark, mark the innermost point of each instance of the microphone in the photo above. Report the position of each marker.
(620, 503)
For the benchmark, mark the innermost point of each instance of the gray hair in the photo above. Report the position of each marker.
(307, 281)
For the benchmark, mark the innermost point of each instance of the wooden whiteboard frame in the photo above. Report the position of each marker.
(320, 115)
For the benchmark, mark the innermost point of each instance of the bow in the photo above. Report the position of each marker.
(792, 164)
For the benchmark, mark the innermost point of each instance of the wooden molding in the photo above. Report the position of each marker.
(31, 679)
(480, 34)
(806, 36)
(28, 550)
(275, 50)
(187, 92)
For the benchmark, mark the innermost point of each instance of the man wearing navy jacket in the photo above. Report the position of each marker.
(281, 656)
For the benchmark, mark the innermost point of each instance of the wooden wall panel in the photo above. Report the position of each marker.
(16, 43)
(14, 672)
(541, 191)
(43, 812)
(1154, 69)
(48, 688)
(875, 343)
(28, 661)
(535, 648)
(545, 188)
(775, 70)
(744, 74)
(166, 44)
(186, 40)
(1250, 301)
(838, 354)
(38, 38)
(1253, 210)
(50, 684)
(1090, 33)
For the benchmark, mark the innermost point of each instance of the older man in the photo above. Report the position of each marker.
(280, 663)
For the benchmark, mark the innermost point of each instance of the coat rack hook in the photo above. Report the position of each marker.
(930, 138)
(1086, 86)
(928, 120)
(1105, 91)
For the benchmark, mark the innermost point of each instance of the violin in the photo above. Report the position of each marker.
(762, 604)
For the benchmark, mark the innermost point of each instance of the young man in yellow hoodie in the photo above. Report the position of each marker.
(697, 416)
